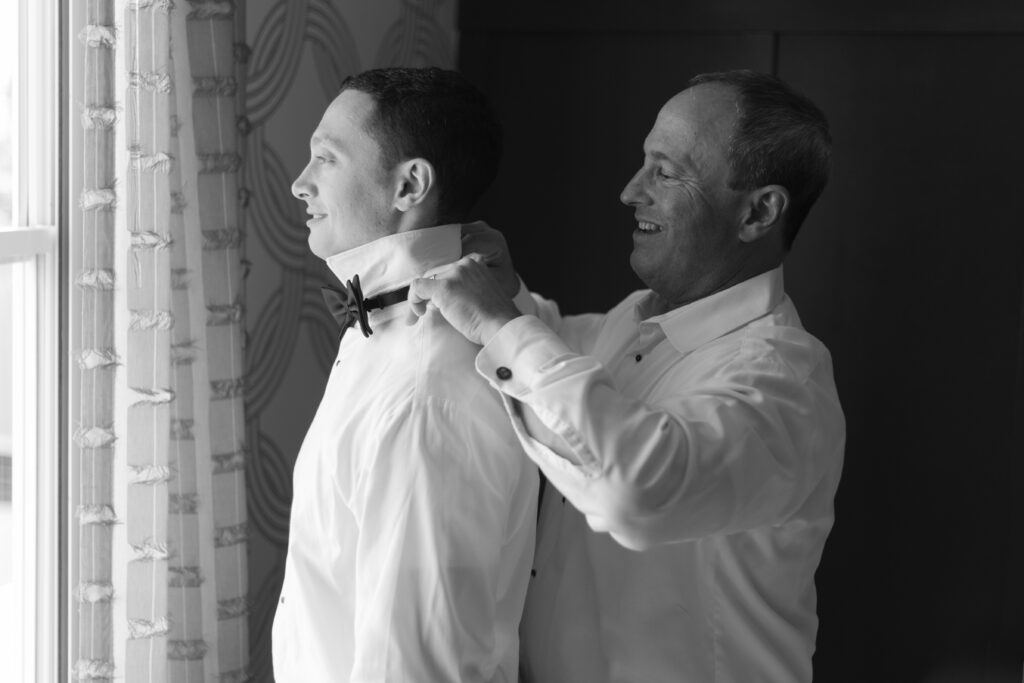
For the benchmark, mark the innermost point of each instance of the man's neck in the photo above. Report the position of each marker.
(722, 279)
(416, 218)
(393, 261)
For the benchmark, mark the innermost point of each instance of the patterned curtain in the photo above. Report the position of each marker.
(159, 538)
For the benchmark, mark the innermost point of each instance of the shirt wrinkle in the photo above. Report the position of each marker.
(406, 558)
(776, 354)
(702, 512)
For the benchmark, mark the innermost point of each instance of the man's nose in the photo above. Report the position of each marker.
(301, 187)
(632, 194)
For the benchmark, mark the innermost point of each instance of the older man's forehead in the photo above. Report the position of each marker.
(707, 104)
(671, 137)
(702, 115)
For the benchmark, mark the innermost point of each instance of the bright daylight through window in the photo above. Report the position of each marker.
(8, 140)
(29, 467)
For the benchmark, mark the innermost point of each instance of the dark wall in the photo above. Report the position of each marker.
(910, 269)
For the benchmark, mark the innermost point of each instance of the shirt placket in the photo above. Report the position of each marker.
(635, 366)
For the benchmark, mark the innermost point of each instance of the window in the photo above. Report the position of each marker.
(29, 460)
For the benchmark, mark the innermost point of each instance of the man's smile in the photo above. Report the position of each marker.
(647, 228)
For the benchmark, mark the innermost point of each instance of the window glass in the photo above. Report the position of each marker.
(10, 498)
(8, 604)
(29, 480)
(8, 107)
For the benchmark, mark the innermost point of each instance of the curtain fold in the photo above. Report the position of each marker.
(160, 439)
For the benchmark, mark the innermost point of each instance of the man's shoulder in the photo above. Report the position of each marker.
(420, 377)
(777, 343)
(445, 369)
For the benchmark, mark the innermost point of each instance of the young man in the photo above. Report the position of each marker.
(412, 525)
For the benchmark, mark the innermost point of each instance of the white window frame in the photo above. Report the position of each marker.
(31, 245)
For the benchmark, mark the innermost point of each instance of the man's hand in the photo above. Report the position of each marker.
(469, 297)
(479, 238)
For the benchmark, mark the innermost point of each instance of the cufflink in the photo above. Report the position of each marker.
(503, 373)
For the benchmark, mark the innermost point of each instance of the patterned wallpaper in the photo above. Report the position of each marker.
(298, 52)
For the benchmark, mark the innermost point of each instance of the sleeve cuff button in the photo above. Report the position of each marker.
(503, 373)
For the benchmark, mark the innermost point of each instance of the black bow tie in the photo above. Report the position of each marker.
(348, 306)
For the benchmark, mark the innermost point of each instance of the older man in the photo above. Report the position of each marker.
(693, 433)
(412, 527)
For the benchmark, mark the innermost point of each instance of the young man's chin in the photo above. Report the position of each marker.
(317, 248)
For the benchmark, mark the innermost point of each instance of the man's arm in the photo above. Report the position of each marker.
(433, 512)
(736, 448)
(488, 247)
(477, 304)
(729, 451)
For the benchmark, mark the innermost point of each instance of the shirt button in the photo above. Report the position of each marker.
(639, 357)
(503, 373)
(282, 599)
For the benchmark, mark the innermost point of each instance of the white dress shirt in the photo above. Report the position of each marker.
(699, 451)
(412, 524)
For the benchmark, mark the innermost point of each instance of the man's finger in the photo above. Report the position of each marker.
(490, 257)
(415, 313)
(420, 291)
(475, 228)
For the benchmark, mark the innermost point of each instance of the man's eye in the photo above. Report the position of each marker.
(661, 174)
(322, 159)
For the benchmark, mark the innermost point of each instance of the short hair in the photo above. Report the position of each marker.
(781, 138)
(439, 116)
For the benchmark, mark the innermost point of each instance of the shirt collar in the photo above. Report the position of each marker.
(391, 262)
(700, 321)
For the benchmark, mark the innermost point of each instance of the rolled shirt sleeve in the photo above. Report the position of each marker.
(728, 451)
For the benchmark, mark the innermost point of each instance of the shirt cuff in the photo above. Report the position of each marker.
(518, 354)
(524, 301)
(514, 361)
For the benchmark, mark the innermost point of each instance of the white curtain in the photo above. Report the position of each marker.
(159, 538)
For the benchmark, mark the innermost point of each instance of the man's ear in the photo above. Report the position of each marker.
(765, 210)
(415, 179)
